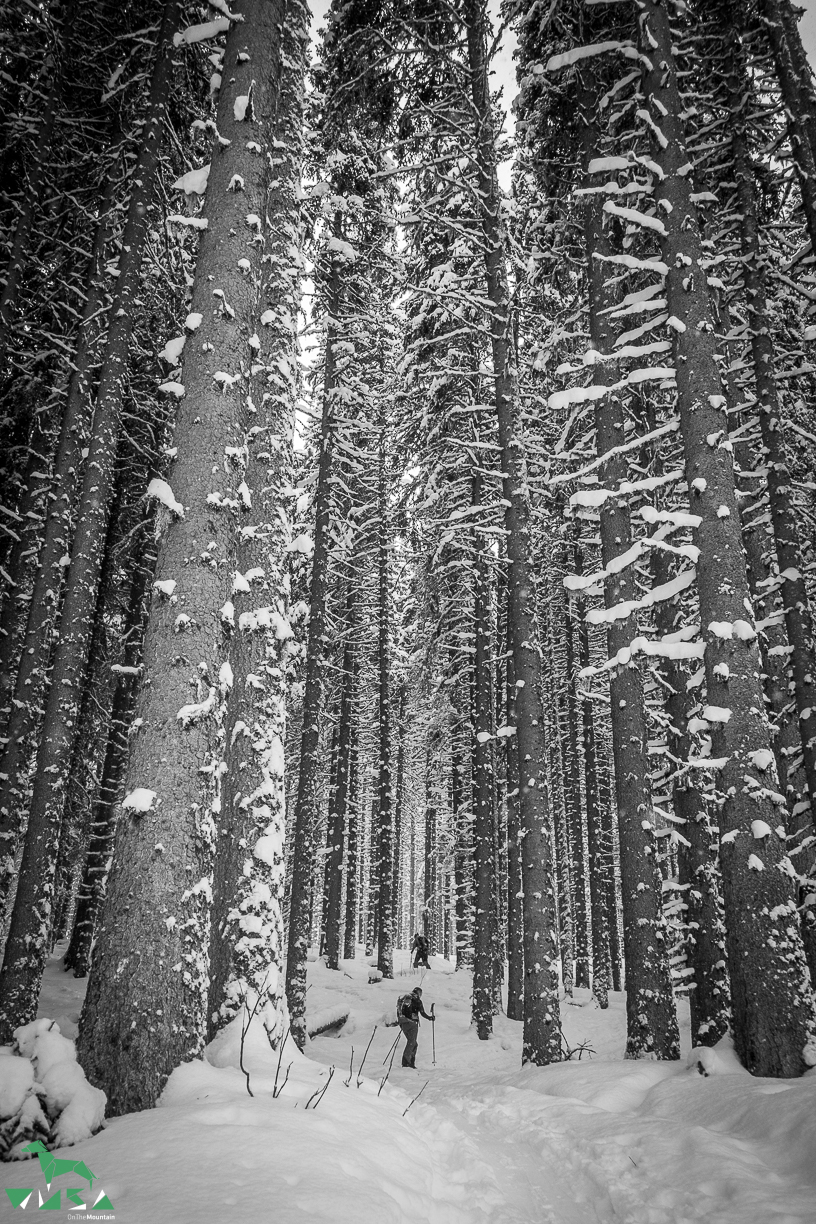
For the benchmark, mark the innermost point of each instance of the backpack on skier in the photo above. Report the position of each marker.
(404, 1005)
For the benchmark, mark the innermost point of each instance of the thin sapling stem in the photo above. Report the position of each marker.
(416, 1098)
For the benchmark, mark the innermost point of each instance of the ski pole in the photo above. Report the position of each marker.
(433, 1032)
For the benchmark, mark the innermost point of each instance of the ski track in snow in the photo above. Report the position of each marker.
(596, 1141)
(600, 1141)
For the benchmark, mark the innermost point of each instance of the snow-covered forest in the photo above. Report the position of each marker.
(407, 526)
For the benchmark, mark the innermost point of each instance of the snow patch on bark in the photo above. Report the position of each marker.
(190, 714)
(139, 800)
(159, 490)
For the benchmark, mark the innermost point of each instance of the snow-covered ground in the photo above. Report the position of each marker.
(594, 1141)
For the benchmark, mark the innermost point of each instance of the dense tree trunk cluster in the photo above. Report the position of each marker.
(406, 531)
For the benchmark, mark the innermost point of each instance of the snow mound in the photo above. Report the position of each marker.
(720, 1059)
(258, 1055)
(44, 1093)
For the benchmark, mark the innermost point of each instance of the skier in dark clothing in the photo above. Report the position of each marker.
(420, 947)
(409, 1009)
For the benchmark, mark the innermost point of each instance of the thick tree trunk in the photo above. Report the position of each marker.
(352, 837)
(370, 912)
(412, 880)
(329, 850)
(515, 893)
(385, 829)
(697, 848)
(462, 849)
(339, 814)
(541, 1042)
(651, 1021)
(610, 858)
(498, 664)
(484, 791)
(429, 889)
(399, 809)
(595, 855)
(306, 804)
(773, 639)
(786, 530)
(558, 800)
(137, 1025)
(246, 932)
(772, 1000)
(575, 811)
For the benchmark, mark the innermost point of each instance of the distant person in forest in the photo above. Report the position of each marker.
(409, 1009)
(420, 948)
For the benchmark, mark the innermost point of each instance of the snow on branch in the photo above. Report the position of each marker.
(595, 391)
(601, 616)
(632, 444)
(567, 58)
(634, 265)
(662, 648)
(636, 218)
(583, 582)
(593, 498)
(677, 518)
(201, 33)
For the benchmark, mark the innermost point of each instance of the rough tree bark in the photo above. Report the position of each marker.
(306, 803)
(595, 861)
(515, 887)
(575, 810)
(798, 616)
(246, 933)
(484, 793)
(697, 850)
(772, 1000)
(339, 814)
(559, 784)
(651, 1021)
(385, 823)
(399, 810)
(462, 850)
(352, 837)
(541, 1041)
(148, 994)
